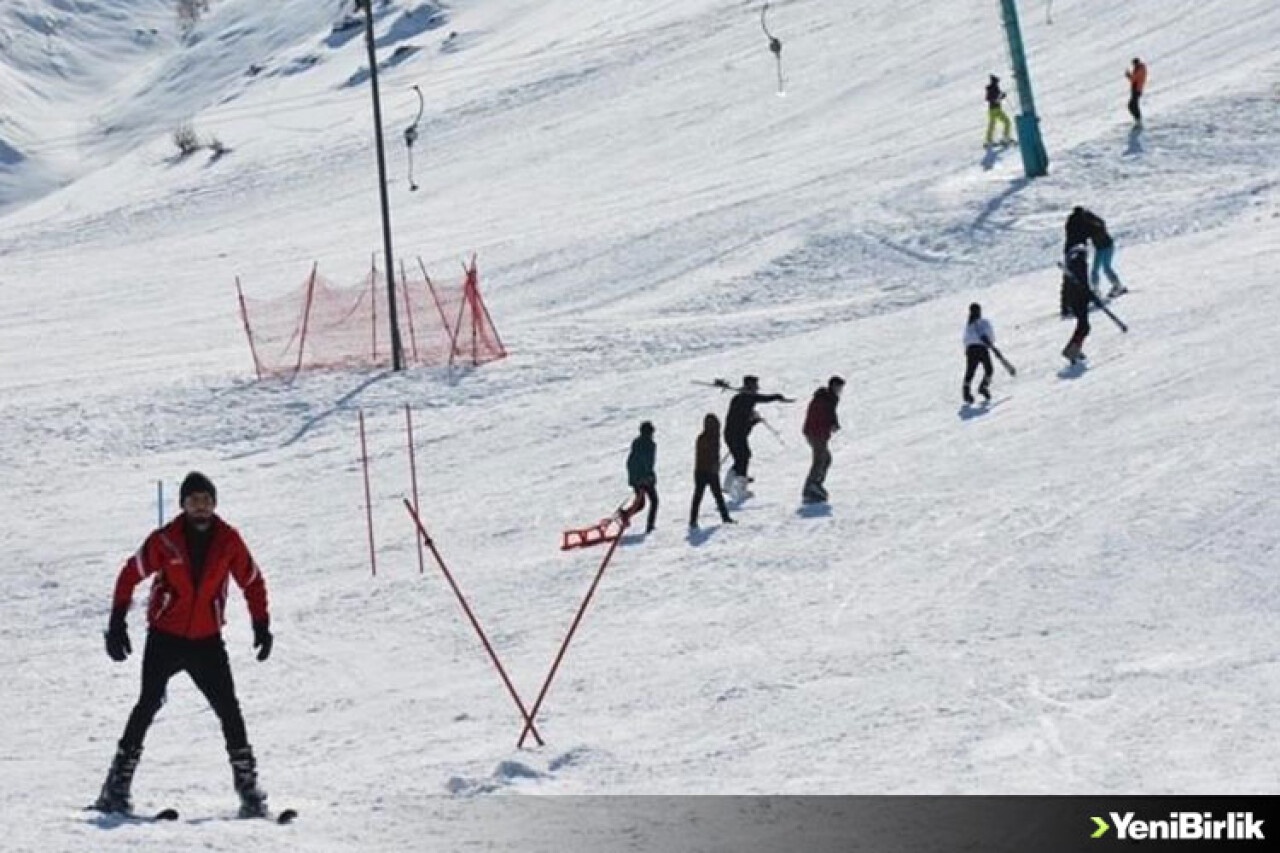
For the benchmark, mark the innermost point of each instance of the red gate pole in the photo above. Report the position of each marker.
(408, 309)
(413, 475)
(528, 720)
(546, 685)
(306, 317)
(368, 501)
(248, 331)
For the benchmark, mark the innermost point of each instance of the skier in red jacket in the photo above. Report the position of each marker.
(191, 558)
(820, 422)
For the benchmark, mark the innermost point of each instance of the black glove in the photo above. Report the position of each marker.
(117, 635)
(262, 639)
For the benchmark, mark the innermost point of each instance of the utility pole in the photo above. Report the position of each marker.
(1035, 160)
(397, 353)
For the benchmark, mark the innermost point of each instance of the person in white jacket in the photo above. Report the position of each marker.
(979, 339)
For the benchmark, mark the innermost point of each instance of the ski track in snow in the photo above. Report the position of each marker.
(1073, 592)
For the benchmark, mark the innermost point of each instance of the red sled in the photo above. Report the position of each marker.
(605, 530)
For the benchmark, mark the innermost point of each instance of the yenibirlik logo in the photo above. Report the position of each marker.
(1182, 826)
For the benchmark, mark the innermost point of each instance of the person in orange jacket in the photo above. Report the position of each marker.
(1137, 77)
(191, 559)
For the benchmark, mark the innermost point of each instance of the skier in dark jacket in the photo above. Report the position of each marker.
(192, 559)
(706, 470)
(737, 427)
(641, 476)
(1077, 296)
(820, 423)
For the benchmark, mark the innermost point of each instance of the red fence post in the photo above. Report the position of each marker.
(306, 316)
(248, 331)
(368, 501)
(546, 685)
(413, 475)
(528, 720)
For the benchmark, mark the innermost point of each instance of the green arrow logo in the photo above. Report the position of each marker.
(1102, 828)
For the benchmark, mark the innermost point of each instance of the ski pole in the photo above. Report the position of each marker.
(1093, 297)
(776, 434)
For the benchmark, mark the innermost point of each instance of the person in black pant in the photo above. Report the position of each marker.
(1077, 296)
(737, 427)
(192, 558)
(978, 338)
(706, 470)
(641, 476)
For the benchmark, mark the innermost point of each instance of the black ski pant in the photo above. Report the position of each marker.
(741, 452)
(1079, 301)
(1135, 105)
(205, 660)
(702, 481)
(649, 490)
(821, 462)
(976, 355)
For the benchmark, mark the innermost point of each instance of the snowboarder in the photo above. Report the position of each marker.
(1104, 249)
(1077, 296)
(820, 423)
(979, 337)
(192, 557)
(996, 113)
(1137, 77)
(737, 427)
(706, 470)
(641, 476)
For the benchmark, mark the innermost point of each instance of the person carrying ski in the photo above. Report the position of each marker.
(820, 423)
(1079, 230)
(1137, 77)
(706, 470)
(1077, 296)
(996, 113)
(192, 558)
(979, 338)
(641, 476)
(738, 423)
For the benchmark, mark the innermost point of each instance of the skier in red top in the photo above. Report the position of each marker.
(191, 558)
(820, 422)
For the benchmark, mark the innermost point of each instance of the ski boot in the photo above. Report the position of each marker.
(968, 396)
(1117, 289)
(985, 390)
(115, 797)
(244, 776)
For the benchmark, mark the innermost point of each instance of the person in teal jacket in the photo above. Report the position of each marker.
(641, 476)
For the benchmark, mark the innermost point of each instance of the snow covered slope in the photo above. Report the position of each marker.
(1073, 592)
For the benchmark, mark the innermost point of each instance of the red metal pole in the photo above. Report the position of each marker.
(546, 685)
(413, 472)
(502, 350)
(431, 288)
(373, 302)
(368, 500)
(408, 311)
(528, 720)
(248, 331)
(306, 316)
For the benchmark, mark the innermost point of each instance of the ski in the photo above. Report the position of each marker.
(1097, 300)
(163, 815)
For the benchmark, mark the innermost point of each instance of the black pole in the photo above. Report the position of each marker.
(397, 354)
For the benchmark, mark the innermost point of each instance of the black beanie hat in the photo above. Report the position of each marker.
(194, 483)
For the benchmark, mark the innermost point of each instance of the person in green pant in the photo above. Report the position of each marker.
(996, 113)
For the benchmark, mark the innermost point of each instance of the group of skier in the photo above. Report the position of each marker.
(820, 423)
